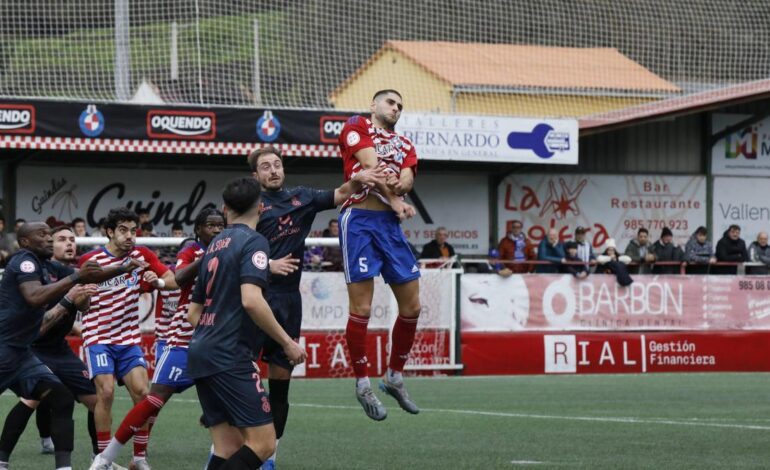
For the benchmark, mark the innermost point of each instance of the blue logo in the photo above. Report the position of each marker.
(544, 141)
(268, 127)
(319, 289)
(91, 121)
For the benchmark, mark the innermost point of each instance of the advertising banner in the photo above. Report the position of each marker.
(492, 139)
(608, 206)
(541, 302)
(743, 152)
(176, 196)
(742, 201)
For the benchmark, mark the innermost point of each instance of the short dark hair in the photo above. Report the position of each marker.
(177, 227)
(118, 215)
(203, 216)
(253, 157)
(643, 230)
(60, 228)
(385, 92)
(19, 221)
(147, 227)
(241, 194)
(142, 211)
(77, 220)
(103, 221)
(734, 227)
(333, 221)
(701, 231)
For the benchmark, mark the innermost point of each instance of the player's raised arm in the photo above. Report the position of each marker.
(365, 178)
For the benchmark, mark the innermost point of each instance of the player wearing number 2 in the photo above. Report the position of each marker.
(373, 243)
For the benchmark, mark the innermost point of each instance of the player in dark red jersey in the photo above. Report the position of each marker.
(111, 333)
(171, 365)
(373, 243)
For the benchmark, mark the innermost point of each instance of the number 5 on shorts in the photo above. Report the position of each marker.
(362, 266)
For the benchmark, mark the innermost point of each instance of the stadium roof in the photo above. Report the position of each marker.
(525, 66)
(678, 106)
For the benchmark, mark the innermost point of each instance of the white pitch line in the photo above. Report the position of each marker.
(499, 414)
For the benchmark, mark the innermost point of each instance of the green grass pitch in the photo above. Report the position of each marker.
(588, 421)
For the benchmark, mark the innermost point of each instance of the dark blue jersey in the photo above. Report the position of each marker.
(285, 220)
(55, 338)
(226, 336)
(20, 321)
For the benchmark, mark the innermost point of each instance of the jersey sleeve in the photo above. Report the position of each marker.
(322, 199)
(199, 291)
(25, 268)
(86, 257)
(254, 262)
(184, 258)
(62, 271)
(155, 265)
(355, 135)
(411, 160)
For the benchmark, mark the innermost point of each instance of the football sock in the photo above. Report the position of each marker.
(394, 377)
(355, 334)
(14, 426)
(102, 439)
(43, 420)
(131, 426)
(62, 405)
(92, 433)
(403, 338)
(279, 402)
(215, 463)
(243, 459)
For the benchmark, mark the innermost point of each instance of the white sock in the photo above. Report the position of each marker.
(394, 377)
(272, 457)
(363, 383)
(111, 452)
(63, 468)
(46, 441)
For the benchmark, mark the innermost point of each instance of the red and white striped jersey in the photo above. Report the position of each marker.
(114, 314)
(394, 151)
(165, 308)
(181, 330)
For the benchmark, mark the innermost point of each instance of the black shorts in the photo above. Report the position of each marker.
(234, 396)
(65, 365)
(287, 308)
(22, 371)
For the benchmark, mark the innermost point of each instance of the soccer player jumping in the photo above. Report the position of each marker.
(373, 243)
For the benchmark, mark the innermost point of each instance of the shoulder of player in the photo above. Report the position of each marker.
(360, 123)
(22, 256)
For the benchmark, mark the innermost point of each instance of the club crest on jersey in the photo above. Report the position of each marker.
(268, 127)
(285, 221)
(91, 121)
(296, 202)
(27, 267)
(259, 259)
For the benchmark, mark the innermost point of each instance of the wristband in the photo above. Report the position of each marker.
(67, 304)
(74, 277)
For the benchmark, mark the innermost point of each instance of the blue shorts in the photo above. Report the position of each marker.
(111, 359)
(234, 396)
(287, 309)
(68, 368)
(160, 345)
(171, 369)
(373, 243)
(22, 372)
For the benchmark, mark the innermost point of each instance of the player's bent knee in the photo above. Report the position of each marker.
(59, 399)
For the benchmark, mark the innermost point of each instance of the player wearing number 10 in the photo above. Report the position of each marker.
(228, 310)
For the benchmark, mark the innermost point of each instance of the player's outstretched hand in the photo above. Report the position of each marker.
(403, 210)
(81, 294)
(370, 177)
(284, 266)
(89, 272)
(295, 353)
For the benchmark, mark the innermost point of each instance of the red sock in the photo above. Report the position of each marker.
(102, 439)
(136, 418)
(355, 335)
(140, 443)
(403, 338)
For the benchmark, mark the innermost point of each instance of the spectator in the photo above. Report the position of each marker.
(101, 230)
(144, 218)
(580, 270)
(610, 254)
(313, 258)
(759, 252)
(5, 243)
(79, 227)
(515, 246)
(584, 249)
(438, 248)
(731, 248)
(147, 230)
(332, 254)
(493, 265)
(550, 250)
(640, 251)
(177, 231)
(666, 251)
(699, 252)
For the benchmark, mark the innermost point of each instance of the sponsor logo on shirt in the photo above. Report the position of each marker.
(17, 119)
(172, 124)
